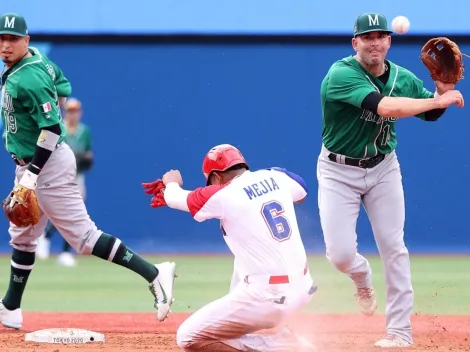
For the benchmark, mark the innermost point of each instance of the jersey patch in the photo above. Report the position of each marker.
(46, 107)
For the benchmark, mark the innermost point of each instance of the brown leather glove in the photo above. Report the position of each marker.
(443, 59)
(21, 206)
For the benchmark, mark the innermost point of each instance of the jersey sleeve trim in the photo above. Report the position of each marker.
(200, 197)
(293, 176)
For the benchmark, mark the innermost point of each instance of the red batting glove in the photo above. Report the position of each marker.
(157, 188)
(158, 201)
(153, 187)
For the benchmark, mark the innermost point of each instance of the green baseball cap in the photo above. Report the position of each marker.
(13, 24)
(371, 22)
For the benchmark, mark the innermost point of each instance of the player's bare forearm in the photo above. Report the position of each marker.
(405, 107)
(176, 197)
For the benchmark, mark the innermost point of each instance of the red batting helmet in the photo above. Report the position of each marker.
(221, 158)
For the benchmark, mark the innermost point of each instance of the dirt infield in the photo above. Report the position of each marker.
(331, 333)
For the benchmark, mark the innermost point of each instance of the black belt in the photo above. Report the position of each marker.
(368, 163)
(21, 162)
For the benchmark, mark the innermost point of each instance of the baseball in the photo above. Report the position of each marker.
(400, 24)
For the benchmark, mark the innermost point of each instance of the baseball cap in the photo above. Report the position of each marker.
(73, 104)
(371, 22)
(13, 24)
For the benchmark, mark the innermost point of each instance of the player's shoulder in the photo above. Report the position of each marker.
(200, 197)
(265, 172)
(33, 73)
(273, 169)
(269, 170)
(345, 67)
(41, 55)
(289, 176)
(276, 171)
(203, 194)
(403, 71)
(345, 62)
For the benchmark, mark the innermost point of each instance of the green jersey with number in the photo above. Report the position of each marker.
(79, 140)
(347, 128)
(29, 102)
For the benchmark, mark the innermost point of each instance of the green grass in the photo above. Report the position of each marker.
(440, 284)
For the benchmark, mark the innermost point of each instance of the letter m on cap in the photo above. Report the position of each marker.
(10, 23)
(373, 21)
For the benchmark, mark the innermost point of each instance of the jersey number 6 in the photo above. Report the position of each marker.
(277, 223)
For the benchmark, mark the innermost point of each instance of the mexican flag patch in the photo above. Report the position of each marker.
(46, 107)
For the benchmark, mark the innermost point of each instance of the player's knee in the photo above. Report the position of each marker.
(184, 340)
(24, 247)
(189, 340)
(341, 259)
(90, 242)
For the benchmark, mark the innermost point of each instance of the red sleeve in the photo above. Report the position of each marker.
(201, 203)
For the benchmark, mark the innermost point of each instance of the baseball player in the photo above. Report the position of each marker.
(259, 224)
(31, 85)
(362, 97)
(78, 137)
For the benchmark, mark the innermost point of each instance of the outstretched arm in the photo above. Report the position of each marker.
(176, 197)
(423, 104)
(203, 203)
(406, 107)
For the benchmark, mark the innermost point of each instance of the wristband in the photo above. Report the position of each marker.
(29, 180)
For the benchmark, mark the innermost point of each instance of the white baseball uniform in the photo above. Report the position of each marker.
(271, 278)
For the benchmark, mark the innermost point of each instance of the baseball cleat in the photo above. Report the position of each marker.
(392, 341)
(11, 318)
(366, 300)
(162, 289)
(43, 248)
(66, 259)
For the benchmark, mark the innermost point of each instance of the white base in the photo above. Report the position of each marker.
(64, 336)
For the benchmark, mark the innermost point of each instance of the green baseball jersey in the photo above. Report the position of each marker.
(30, 94)
(347, 128)
(79, 140)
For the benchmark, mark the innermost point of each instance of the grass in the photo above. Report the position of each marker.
(95, 285)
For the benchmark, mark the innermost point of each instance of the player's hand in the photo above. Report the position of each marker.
(173, 176)
(157, 189)
(154, 187)
(21, 207)
(442, 87)
(449, 98)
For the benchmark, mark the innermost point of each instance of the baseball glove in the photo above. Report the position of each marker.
(443, 59)
(157, 188)
(21, 207)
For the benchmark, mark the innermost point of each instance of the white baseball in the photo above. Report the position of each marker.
(400, 24)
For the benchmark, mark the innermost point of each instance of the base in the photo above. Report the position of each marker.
(64, 336)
